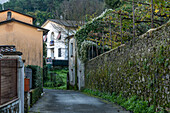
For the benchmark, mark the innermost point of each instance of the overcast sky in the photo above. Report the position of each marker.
(3, 1)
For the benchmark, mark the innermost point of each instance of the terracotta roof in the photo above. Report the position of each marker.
(67, 23)
(17, 12)
(8, 50)
(45, 31)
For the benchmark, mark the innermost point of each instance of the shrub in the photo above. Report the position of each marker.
(36, 76)
(56, 79)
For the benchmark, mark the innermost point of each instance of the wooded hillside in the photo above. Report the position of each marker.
(58, 9)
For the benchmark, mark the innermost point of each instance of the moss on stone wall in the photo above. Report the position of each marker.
(35, 95)
(142, 69)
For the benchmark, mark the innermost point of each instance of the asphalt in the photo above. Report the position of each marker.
(65, 101)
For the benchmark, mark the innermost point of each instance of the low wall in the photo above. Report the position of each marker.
(27, 100)
(142, 69)
(10, 107)
(35, 94)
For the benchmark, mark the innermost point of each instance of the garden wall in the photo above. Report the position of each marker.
(142, 69)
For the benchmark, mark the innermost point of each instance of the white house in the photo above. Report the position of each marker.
(57, 47)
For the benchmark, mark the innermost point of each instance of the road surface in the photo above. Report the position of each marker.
(65, 101)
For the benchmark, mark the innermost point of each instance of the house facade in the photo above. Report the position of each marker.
(18, 29)
(57, 46)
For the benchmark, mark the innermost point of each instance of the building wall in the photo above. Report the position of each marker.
(80, 73)
(27, 39)
(16, 16)
(76, 67)
(72, 62)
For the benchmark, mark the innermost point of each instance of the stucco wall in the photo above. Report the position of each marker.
(16, 16)
(80, 73)
(142, 69)
(72, 62)
(27, 39)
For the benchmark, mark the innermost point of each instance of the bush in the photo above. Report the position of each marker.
(36, 76)
(56, 79)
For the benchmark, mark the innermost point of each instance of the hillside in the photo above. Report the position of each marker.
(44, 9)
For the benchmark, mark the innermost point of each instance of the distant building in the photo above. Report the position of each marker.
(57, 47)
(17, 29)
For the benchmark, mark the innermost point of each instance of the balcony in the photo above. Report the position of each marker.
(60, 62)
(52, 43)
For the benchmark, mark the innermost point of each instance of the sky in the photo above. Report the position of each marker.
(3, 1)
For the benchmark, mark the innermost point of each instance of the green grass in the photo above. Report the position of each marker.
(131, 104)
(58, 80)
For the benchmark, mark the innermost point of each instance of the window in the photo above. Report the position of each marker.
(71, 51)
(52, 39)
(59, 52)
(52, 53)
(52, 36)
(9, 14)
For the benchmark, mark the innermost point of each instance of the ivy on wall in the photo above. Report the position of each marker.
(115, 27)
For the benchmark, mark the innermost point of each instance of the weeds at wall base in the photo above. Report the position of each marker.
(132, 104)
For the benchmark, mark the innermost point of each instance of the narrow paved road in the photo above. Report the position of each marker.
(58, 101)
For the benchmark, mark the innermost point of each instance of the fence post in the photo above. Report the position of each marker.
(88, 53)
(152, 16)
(121, 28)
(110, 34)
(103, 40)
(96, 47)
(133, 8)
(92, 51)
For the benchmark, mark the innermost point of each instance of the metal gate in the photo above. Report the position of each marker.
(8, 80)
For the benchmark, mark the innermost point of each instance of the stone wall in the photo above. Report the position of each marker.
(141, 69)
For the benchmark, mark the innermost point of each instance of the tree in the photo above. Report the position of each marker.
(78, 9)
(113, 3)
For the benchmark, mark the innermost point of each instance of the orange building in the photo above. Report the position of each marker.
(18, 29)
